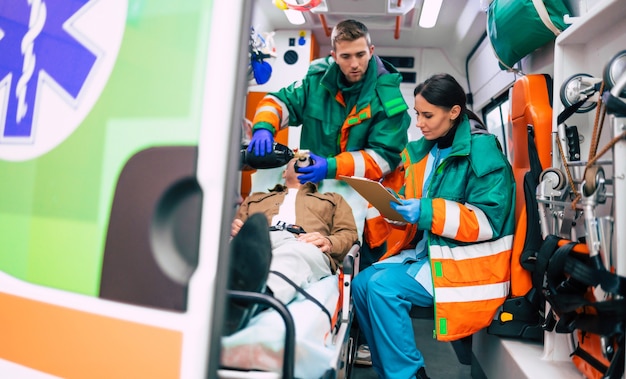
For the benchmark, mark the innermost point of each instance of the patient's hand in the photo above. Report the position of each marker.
(235, 227)
(318, 240)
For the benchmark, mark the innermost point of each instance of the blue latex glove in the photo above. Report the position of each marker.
(409, 209)
(262, 142)
(314, 173)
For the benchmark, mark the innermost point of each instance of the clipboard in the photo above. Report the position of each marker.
(376, 194)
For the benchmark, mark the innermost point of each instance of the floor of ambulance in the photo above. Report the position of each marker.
(441, 362)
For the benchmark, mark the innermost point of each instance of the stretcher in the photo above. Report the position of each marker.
(305, 338)
(297, 340)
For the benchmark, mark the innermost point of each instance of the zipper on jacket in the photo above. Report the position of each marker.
(433, 169)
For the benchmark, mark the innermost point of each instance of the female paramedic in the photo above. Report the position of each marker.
(457, 198)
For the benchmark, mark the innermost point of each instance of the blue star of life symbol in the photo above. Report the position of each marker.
(33, 39)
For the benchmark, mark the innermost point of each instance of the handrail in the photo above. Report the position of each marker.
(290, 329)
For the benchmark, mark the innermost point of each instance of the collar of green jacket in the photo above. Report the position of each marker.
(471, 141)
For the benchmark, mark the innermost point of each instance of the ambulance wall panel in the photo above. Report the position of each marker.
(294, 52)
(487, 79)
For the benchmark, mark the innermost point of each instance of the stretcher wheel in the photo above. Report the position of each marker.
(575, 88)
(614, 69)
(555, 176)
(594, 176)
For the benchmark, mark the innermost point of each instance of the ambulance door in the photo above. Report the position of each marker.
(117, 167)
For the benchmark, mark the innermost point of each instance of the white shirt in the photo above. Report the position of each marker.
(287, 210)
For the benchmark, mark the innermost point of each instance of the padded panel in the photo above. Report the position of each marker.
(530, 104)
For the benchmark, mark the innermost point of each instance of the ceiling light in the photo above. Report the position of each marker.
(430, 12)
(295, 17)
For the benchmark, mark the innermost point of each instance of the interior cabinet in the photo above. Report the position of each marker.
(585, 47)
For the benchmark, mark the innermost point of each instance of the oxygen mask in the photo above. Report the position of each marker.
(303, 159)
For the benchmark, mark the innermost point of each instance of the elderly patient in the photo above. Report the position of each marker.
(310, 233)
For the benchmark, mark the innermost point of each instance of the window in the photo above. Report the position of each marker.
(496, 117)
(400, 62)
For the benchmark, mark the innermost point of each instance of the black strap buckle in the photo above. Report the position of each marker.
(292, 228)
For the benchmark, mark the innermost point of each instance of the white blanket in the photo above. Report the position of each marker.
(260, 345)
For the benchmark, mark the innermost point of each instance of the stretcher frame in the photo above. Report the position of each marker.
(341, 337)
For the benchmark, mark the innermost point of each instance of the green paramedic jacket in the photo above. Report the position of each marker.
(469, 209)
(365, 140)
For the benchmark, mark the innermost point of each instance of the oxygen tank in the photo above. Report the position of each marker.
(279, 156)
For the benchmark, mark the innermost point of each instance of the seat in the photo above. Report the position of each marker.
(531, 146)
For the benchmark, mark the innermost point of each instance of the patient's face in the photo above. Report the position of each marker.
(290, 170)
(290, 175)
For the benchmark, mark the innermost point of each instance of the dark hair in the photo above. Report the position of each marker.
(349, 30)
(442, 90)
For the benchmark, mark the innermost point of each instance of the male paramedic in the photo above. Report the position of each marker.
(353, 116)
(310, 234)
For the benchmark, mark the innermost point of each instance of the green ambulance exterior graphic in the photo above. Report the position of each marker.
(55, 205)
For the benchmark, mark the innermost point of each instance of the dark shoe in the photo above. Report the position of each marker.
(421, 374)
(250, 257)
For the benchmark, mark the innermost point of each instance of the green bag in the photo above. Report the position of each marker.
(516, 28)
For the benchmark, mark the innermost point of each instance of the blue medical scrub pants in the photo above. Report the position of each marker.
(383, 296)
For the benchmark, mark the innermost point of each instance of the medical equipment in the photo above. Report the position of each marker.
(279, 156)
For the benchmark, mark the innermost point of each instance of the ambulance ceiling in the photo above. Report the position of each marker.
(460, 25)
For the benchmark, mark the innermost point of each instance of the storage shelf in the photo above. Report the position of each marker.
(594, 22)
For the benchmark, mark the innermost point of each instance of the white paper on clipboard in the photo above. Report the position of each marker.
(376, 194)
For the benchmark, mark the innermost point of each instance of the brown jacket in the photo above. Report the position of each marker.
(327, 213)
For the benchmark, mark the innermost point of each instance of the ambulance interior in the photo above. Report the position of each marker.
(541, 89)
(114, 241)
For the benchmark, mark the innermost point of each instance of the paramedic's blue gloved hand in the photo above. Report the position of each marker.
(409, 209)
(314, 173)
(262, 142)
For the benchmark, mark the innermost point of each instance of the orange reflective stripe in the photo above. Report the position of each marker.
(395, 179)
(464, 319)
(268, 111)
(439, 216)
(415, 179)
(477, 271)
(398, 239)
(469, 227)
(345, 129)
(339, 306)
(352, 119)
(268, 117)
(372, 169)
(466, 223)
(346, 164)
(339, 98)
(376, 229)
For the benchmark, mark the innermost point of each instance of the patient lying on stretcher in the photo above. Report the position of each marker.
(291, 235)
